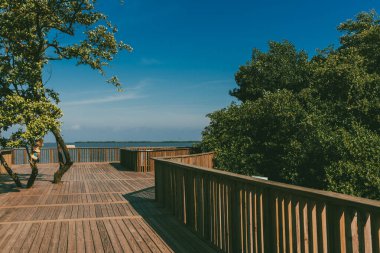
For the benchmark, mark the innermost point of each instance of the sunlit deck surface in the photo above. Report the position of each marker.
(97, 208)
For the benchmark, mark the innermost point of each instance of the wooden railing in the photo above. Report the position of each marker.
(50, 155)
(8, 158)
(139, 159)
(238, 213)
(205, 160)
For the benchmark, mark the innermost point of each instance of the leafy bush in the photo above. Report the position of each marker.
(312, 122)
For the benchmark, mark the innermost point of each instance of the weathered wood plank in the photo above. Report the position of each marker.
(47, 238)
(97, 208)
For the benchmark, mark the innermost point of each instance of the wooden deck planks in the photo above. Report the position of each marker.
(97, 208)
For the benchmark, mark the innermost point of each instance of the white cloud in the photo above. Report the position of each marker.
(103, 100)
(75, 127)
(150, 61)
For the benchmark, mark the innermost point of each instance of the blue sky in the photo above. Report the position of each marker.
(183, 64)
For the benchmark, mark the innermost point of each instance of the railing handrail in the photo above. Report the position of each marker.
(72, 148)
(5, 150)
(152, 149)
(374, 205)
(139, 158)
(185, 156)
(78, 154)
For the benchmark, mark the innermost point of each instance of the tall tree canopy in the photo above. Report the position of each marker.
(312, 122)
(32, 33)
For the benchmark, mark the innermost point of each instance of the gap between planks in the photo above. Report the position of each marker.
(132, 217)
(66, 204)
(101, 180)
(63, 194)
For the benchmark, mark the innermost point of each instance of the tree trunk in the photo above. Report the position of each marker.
(63, 165)
(60, 157)
(33, 165)
(34, 174)
(13, 175)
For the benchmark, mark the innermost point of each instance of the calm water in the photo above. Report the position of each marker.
(127, 144)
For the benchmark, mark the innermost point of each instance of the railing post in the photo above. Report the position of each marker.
(235, 218)
(266, 215)
(157, 182)
(267, 226)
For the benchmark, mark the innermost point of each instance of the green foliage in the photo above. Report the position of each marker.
(347, 88)
(363, 34)
(32, 33)
(282, 67)
(312, 122)
(356, 170)
(33, 119)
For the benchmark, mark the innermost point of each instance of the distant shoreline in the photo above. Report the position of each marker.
(134, 141)
(123, 144)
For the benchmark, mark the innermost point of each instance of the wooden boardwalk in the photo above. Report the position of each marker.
(97, 208)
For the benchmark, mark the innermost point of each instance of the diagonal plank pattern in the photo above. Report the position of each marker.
(97, 208)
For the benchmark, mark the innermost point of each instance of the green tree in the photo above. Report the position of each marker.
(282, 67)
(32, 33)
(363, 34)
(312, 122)
(31, 121)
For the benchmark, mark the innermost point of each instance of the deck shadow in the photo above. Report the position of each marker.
(174, 233)
(118, 166)
(8, 185)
